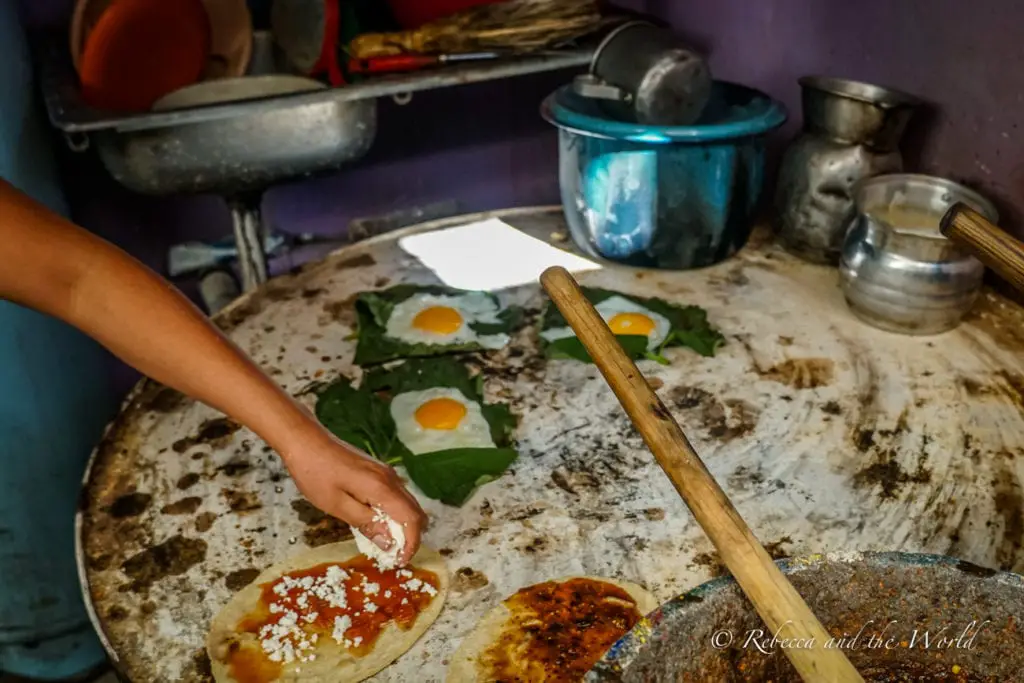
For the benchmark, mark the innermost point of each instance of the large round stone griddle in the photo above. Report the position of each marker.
(827, 435)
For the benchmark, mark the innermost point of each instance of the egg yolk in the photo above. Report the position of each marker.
(440, 413)
(438, 319)
(627, 324)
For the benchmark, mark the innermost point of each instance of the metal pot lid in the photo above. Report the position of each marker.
(733, 111)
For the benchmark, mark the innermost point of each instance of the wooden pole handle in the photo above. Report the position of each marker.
(773, 596)
(993, 247)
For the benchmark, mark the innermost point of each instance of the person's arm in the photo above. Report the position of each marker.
(53, 266)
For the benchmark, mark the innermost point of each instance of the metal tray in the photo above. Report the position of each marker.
(70, 114)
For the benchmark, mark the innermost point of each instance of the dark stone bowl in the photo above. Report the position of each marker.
(902, 617)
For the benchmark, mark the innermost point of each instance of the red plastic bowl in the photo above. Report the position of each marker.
(141, 50)
(414, 13)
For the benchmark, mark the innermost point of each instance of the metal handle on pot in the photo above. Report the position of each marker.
(993, 247)
(590, 86)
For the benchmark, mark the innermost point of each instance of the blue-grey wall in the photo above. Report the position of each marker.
(55, 398)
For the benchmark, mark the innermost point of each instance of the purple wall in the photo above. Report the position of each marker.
(967, 58)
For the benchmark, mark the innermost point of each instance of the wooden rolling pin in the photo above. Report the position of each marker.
(773, 596)
(992, 246)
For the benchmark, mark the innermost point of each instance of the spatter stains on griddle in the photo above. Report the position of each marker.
(160, 399)
(884, 471)
(713, 563)
(130, 505)
(744, 478)
(173, 557)
(240, 578)
(801, 373)
(187, 481)
(236, 467)
(724, 420)
(202, 666)
(321, 528)
(205, 521)
(1001, 385)
(831, 408)
(467, 579)
(308, 513)
(1009, 504)
(212, 432)
(241, 501)
(185, 506)
(342, 312)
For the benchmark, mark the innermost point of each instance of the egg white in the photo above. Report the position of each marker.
(474, 307)
(611, 307)
(472, 432)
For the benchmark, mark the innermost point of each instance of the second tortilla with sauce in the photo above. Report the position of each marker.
(552, 631)
(325, 616)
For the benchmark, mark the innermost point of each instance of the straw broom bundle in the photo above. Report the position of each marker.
(514, 25)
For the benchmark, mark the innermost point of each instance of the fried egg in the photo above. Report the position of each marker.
(624, 317)
(438, 419)
(445, 319)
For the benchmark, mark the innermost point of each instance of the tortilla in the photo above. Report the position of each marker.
(333, 662)
(500, 631)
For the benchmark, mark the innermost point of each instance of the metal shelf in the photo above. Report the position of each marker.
(70, 114)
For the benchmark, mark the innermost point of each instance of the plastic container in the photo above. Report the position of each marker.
(673, 197)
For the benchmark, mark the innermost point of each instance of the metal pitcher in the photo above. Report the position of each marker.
(851, 132)
(897, 271)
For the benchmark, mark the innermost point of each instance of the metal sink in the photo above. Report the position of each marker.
(239, 157)
(243, 153)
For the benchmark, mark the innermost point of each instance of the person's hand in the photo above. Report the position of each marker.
(344, 482)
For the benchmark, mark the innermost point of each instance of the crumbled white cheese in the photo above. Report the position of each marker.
(384, 559)
(341, 624)
(286, 640)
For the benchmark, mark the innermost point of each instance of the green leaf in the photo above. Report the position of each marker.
(363, 418)
(373, 309)
(511, 318)
(359, 418)
(417, 374)
(688, 327)
(501, 420)
(451, 476)
(570, 347)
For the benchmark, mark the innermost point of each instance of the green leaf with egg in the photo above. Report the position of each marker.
(688, 327)
(417, 374)
(451, 476)
(360, 418)
(373, 309)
